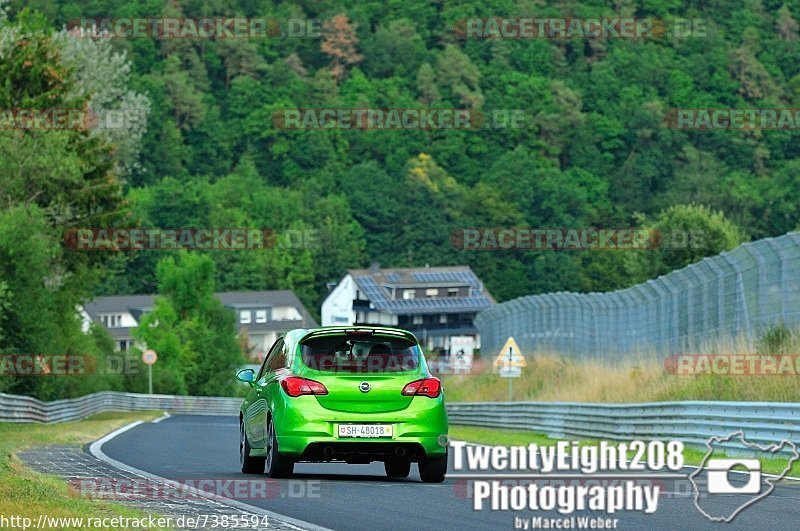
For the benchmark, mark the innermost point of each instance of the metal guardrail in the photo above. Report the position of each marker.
(25, 409)
(691, 422)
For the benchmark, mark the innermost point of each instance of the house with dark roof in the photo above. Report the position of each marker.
(262, 315)
(435, 303)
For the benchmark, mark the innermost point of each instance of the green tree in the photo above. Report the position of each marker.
(395, 49)
(456, 72)
(683, 235)
(50, 182)
(193, 334)
(426, 84)
(37, 311)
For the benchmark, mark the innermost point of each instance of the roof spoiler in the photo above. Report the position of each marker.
(360, 331)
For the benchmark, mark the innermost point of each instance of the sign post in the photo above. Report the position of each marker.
(509, 363)
(149, 357)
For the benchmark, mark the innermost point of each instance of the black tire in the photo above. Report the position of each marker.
(433, 469)
(397, 469)
(277, 465)
(250, 465)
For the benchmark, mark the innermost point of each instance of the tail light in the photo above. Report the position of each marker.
(430, 387)
(296, 386)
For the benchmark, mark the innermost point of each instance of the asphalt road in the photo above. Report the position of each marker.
(339, 496)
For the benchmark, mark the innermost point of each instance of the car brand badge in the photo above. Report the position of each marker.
(364, 387)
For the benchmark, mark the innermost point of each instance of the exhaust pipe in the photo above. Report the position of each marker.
(327, 451)
(400, 451)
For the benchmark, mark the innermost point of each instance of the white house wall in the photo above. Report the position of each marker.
(337, 309)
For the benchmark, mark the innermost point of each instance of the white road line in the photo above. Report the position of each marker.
(159, 419)
(96, 450)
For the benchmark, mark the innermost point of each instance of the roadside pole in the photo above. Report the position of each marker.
(510, 380)
(149, 357)
(509, 364)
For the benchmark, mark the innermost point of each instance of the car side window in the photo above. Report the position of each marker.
(278, 361)
(277, 348)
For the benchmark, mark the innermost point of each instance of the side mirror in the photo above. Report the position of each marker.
(247, 376)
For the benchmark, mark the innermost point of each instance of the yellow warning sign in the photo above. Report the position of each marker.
(510, 355)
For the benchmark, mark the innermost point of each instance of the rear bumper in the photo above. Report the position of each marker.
(362, 451)
(305, 429)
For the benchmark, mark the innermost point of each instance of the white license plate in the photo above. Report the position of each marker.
(365, 430)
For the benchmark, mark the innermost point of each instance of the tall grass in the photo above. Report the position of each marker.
(551, 377)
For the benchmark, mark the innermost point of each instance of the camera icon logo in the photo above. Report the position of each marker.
(718, 482)
(751, 485)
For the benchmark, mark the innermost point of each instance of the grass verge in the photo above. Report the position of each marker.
(640, 377)
(550, 378)
(502, 437)
(26, 493)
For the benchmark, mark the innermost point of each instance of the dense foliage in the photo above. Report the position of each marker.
(202, 148)
(594, 150)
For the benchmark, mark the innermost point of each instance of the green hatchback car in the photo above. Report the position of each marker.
(352, 394)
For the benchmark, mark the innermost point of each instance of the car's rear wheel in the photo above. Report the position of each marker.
(277, 465)
(250, 465)
(397, 469)
(433, 469)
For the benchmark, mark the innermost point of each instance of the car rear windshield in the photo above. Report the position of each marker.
(355, 354)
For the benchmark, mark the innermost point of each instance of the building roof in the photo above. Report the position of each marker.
(138, 304)
(375, 283)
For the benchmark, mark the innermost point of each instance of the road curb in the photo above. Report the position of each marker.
(95, 449)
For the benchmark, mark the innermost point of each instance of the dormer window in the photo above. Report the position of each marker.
(261, 316)
(432, 292)
(111, 320)
(244, 317)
